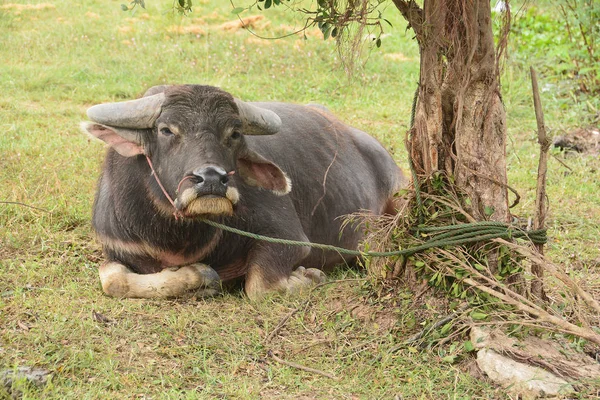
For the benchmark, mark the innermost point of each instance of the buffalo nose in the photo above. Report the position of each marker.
(211, 176)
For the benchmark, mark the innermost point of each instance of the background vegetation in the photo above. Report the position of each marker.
(60, 58)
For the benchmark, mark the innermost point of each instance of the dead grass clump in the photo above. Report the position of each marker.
(26, 7)
(251, 21)
(187, 30)
(398, 57)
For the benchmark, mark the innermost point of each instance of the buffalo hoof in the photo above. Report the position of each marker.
(119, 281)
(208, 279)
(302, 278)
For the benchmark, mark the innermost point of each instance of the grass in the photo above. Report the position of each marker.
(62, 57)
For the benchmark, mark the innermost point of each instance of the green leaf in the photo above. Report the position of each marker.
(326, 29)
(449, 359)
(446, 328)
(419, 264)
(455, 290)
(238, 10)
(488, 210)
(469, 346)
(124, 7)
(181, 3)
(378, 42)
(478, 316)
(268, 4)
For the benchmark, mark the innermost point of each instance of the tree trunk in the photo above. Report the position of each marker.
(460, 122)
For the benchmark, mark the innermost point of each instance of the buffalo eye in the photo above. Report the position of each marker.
(166, 131)
(236, 135)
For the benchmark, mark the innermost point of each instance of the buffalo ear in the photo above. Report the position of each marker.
(258, 171)
(125, 141)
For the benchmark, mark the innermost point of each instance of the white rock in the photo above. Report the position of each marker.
(520, 378)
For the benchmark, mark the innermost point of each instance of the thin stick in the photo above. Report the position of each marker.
(542, 315)
(427, 330)
(441, 322)
(554, 270)
(562, 163)
(24, 205)
(302, 367)
(537, 285)
(562, 370)
(280, 325)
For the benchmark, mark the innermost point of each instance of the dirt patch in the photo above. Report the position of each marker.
(8, 252)
(374, 315)
(580, 140)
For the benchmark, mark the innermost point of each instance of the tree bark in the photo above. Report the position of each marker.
(460, 122)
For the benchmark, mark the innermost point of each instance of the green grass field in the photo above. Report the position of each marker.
(59, 58)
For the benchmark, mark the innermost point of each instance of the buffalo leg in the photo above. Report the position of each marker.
(119, 281)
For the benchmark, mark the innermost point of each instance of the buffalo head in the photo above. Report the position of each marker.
(194, 137)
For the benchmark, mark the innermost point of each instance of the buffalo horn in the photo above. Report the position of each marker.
(256, 120)
(137, 114)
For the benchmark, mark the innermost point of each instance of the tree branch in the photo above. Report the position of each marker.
(411, 11)
(537, 285)
(280, 325)
(541, 315)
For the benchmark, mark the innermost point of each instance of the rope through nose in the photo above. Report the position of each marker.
(181, 181)
(177, 214)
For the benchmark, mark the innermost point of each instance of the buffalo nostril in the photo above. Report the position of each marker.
(211, 177)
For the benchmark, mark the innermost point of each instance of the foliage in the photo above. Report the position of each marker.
(583, 30)
(334, 17)
(565, 46)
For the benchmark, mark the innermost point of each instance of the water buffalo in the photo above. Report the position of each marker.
(281, 170)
